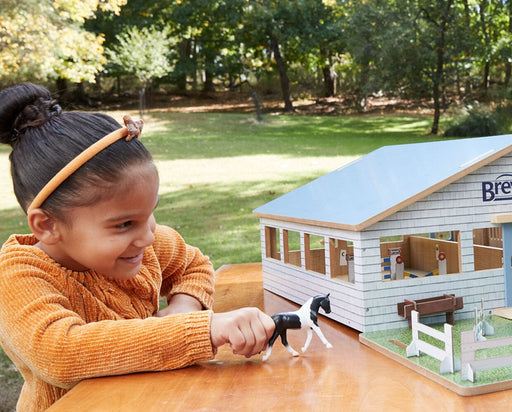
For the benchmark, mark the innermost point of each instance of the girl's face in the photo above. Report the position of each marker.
(111, 235)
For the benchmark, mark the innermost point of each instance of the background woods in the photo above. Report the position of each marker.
(441, 51)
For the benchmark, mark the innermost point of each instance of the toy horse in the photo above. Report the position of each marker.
(306, 316)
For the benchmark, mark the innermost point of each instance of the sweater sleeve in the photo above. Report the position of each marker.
(39, 326)
(184, 268)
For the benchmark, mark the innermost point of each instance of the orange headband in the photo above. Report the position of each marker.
(131, 130)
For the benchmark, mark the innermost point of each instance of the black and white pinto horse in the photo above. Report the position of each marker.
(306, 316)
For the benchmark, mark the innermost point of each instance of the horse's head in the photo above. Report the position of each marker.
(325, 303)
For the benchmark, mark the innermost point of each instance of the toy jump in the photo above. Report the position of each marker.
(394, 264)
(429, 306)
(449, 364)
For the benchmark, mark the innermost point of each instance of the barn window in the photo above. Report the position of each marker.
(291, 248)
(314, 249)
(332, 257)
(272, 243)
(488, 248)
(341, 259)
(420, 255)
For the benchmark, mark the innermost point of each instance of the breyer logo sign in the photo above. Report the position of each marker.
(500, 189)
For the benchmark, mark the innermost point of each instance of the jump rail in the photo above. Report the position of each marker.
(417, 346)
(468, 347)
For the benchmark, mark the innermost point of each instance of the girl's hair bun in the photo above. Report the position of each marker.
(26, 105)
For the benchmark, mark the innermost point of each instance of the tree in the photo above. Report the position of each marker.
(440, 17)
(143, 53)
(406, 46)
(287, 32)
(206, 29)
(45, 39)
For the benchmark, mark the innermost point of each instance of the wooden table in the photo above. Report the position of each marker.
(348, 377)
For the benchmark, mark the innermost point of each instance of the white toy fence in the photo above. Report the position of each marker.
(468, 347)
(417, 346)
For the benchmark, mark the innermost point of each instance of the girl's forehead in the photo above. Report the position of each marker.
(134, 182)
(138, 173)
(135, 194)
(138, 178)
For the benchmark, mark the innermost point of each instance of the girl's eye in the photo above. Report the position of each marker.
(124, 225)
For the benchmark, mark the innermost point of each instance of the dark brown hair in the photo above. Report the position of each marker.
(44, 139)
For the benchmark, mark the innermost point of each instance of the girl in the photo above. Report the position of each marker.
(79, 296)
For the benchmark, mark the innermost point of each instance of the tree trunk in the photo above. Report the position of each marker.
(209, 63)
(184, 56)
(329, 78)
(283, 76)
(62, 87)
(194, 59)
(437, 78)
(80, 94)
(208, 85)
(467, 52)
(142, 101)
(485, 32)
(508, 65)
(485, 80)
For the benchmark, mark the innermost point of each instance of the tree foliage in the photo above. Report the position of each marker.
(141, 52)
(45, 39)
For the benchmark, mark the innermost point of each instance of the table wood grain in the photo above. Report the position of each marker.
(348, 377)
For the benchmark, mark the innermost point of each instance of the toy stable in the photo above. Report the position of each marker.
(402, 222)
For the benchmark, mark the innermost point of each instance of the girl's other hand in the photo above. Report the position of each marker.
(246, 330)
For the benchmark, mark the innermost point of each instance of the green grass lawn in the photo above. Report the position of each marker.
(216, 168)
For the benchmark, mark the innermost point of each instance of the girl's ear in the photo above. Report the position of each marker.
(43, 226)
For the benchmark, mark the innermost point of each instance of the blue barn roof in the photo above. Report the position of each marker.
(384, 181)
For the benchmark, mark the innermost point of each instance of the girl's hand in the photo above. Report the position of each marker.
(246, 330)
(180, 303)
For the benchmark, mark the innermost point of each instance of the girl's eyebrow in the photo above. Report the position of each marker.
(128, 216)
(119, 218)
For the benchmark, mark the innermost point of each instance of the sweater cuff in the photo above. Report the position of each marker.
(198, 338)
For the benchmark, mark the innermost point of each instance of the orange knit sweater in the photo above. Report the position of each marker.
(59, 326)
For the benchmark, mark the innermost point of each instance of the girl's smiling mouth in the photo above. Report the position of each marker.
(133, 259)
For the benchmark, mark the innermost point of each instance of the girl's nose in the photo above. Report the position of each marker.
(147, 235)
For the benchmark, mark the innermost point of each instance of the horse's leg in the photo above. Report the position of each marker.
(267, 355)
(270, 344)
(321, 336)
(287, 345)
(308, 340)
